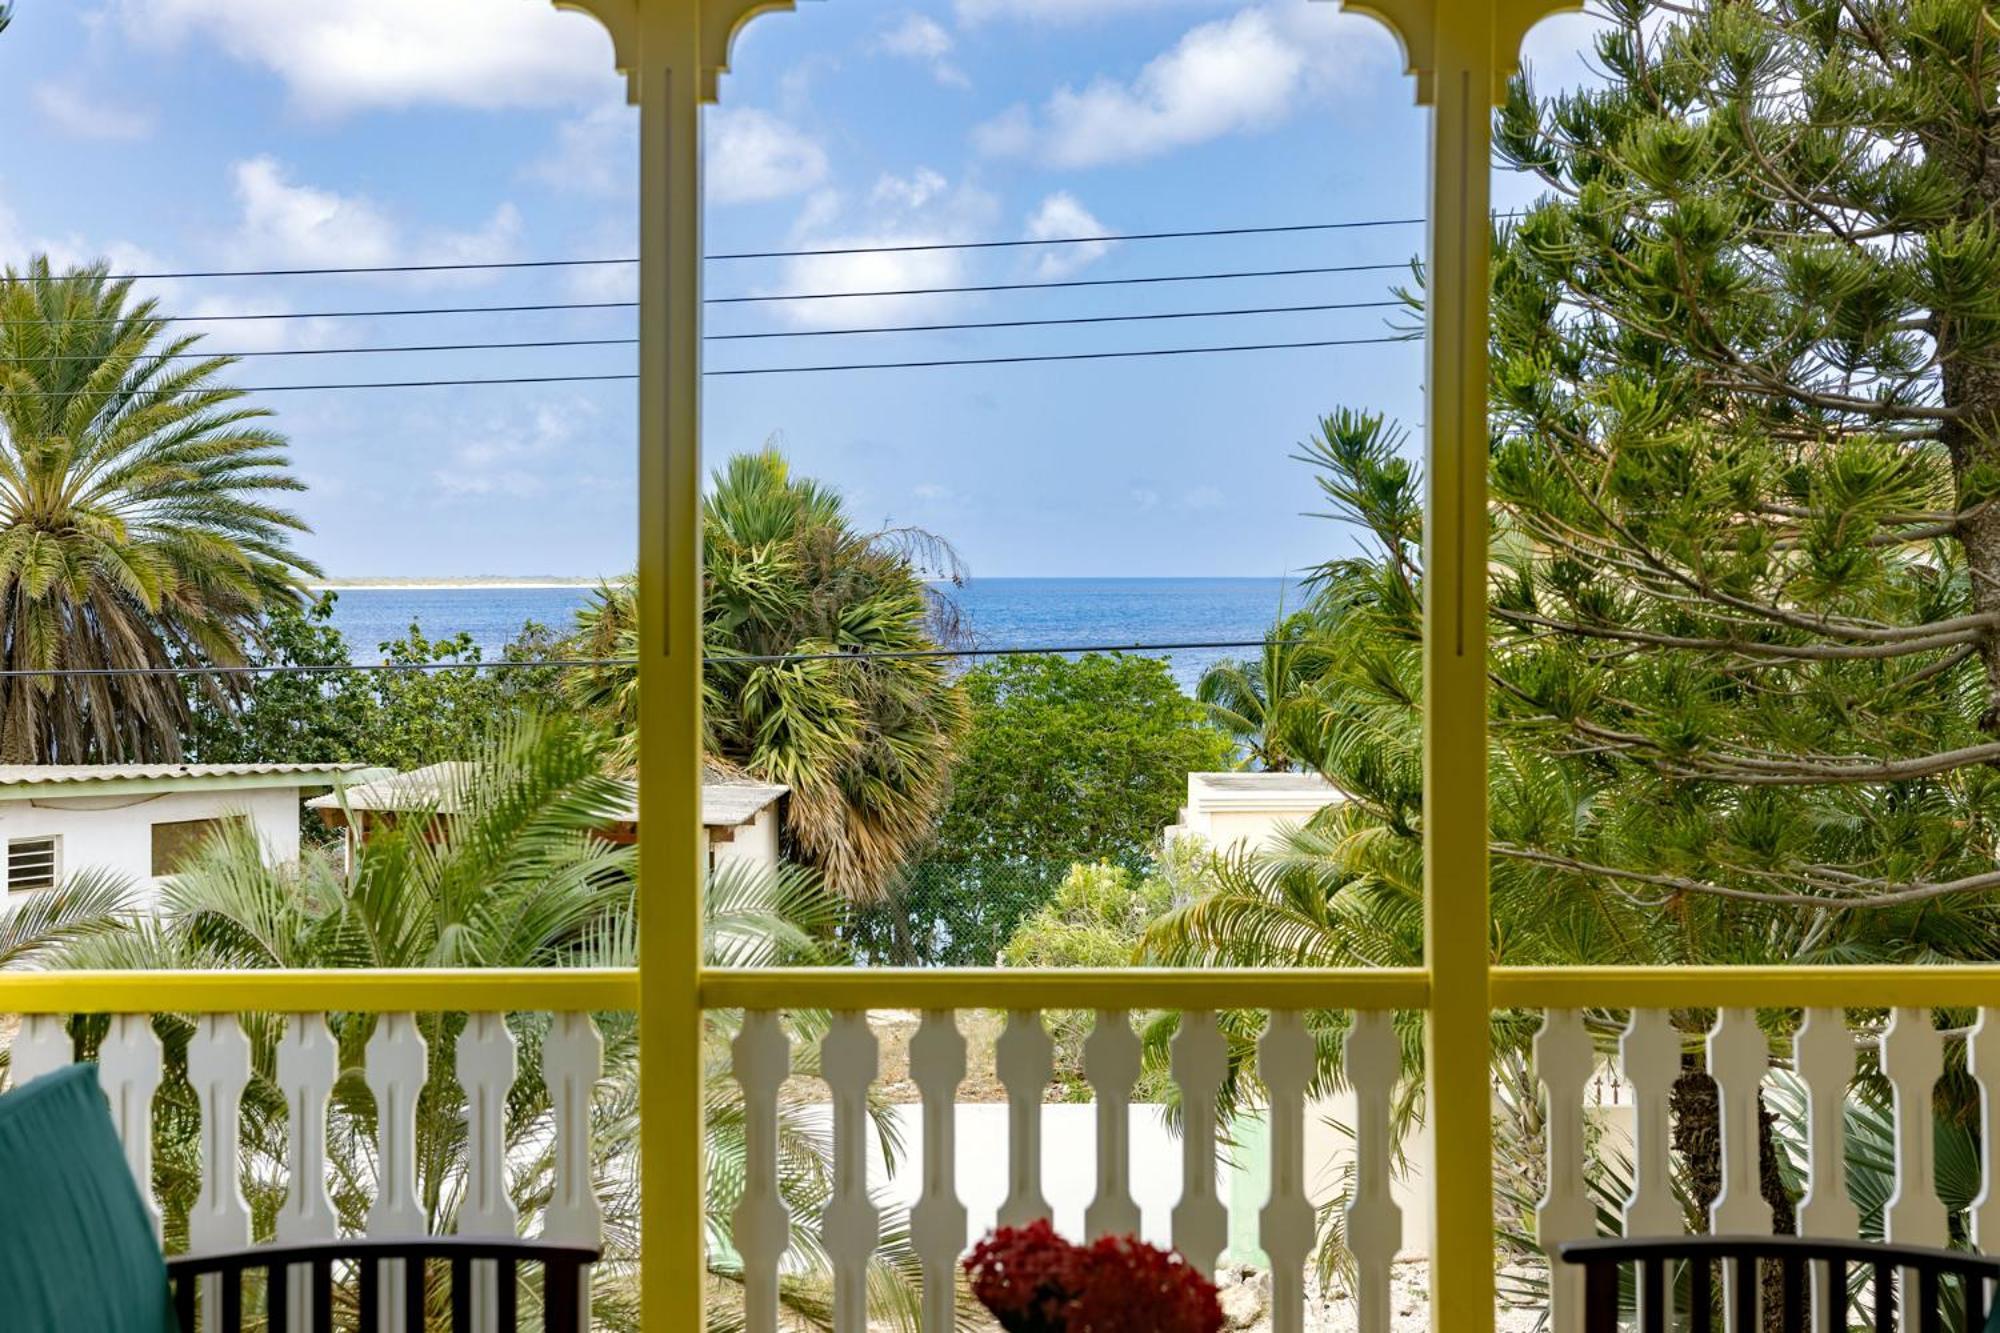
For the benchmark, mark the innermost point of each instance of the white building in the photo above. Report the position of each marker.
(141, 820)
(739, 815)
(1244, 811)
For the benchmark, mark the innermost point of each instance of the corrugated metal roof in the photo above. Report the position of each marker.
(727, 800)
(51, 775)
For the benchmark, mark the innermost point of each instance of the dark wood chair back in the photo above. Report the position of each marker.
(1936, 1280)
(562, 1280)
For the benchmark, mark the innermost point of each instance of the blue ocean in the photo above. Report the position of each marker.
(999, 613)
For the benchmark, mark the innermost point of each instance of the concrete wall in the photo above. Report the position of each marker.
(116, 832)
(755, 842)
(1069, 1170)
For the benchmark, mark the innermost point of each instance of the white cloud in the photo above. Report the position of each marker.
(290, 224)
(754, 156)
(298, 224)
(595, 153)
(924, 40)
(363, 54)
(1061, 215)
(972, 12)
(513, 456)
(910, 193)
(1236, 75)
(1145, 497)
(1202, 498)
(922, 208)
(932, 492)
(89, 116)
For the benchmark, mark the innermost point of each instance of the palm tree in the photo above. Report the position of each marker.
(1261, 703)
(135, 531)
(791, 588)
(517, 877)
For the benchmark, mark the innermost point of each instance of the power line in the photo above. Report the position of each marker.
(1071, 282)
(1044, 323)
(1105, 238)
(778, 333)
(824, 369)
(569, 663)
(1053, 356)
(1141, 281)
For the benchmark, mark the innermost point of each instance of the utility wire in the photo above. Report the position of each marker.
(1071, 282)
(825, 369)
(1105, 238)
(1145, 280)
(565, 663)
(1051, 356)
(780, 333)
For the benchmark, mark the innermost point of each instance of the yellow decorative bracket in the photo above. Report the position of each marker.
(1416, 25)
(717, 24)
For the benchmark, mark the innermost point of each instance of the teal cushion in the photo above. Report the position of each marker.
(77, 1251)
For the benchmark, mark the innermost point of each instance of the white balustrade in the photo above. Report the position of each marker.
(1111, 1062)
(1913, 1062)
(1373, 1060)
(1200, 1060)
(219, 1068)
(398, 1060)
(1285, 1063)
(308, 1064)
(1024, 1058)
(761, 1224)
(848, 1055)
(1564, 1063)
(937, 1066)
(1823, 1055)
(128, 1066)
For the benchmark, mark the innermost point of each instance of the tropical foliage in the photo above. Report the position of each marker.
(1066, 762)
(1262, 702)
(137, 523)
(438, 699)
(792, 591)
(516, 878)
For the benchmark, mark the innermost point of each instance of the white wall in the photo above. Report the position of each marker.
(755, 842)
(116, 832)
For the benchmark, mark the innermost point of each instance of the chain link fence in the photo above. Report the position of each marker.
(952, 913)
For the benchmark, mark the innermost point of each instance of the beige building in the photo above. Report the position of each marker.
(1244, 811)
(739, 815)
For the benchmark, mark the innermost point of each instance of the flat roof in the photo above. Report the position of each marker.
(1308, 782)
(728, 800)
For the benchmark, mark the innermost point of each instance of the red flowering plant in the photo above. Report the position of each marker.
(1034, 1281)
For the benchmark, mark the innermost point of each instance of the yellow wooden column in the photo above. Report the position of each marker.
(671, 52)
(1458, 1048)
(1460, 52)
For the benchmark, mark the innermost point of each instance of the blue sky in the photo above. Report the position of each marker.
(198, 134)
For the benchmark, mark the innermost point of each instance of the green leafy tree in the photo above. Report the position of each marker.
(137, 529)
(1746, 466)
(791, 587)
(1098, 918)
(1066, 762)
(437, 700)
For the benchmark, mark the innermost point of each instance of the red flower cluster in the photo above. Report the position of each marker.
(1034, 1281)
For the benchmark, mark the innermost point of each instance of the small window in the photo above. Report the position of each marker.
(31, 864)
(175, 842)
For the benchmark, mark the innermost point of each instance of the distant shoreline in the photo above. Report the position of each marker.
(446, 585)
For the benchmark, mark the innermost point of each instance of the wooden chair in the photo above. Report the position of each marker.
(562, 1275)
(1793, 1257)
